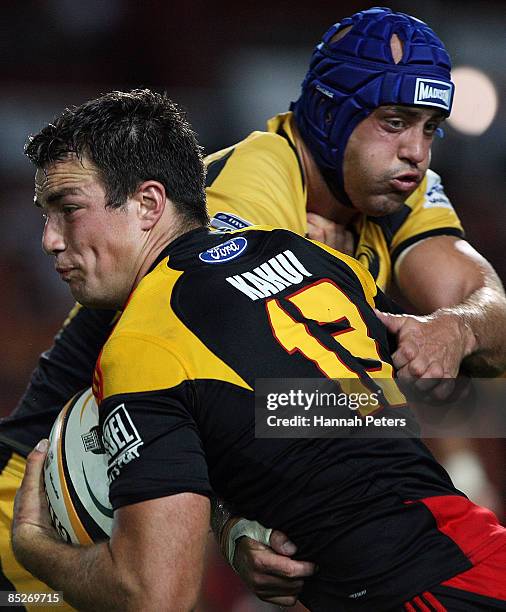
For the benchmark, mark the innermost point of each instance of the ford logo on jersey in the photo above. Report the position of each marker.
(225, 252)
(430, 92)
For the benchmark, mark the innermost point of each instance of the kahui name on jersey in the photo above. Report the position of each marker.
(271, 277)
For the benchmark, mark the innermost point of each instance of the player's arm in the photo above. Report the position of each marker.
(445, 276)
(153, 561)
(67, 366)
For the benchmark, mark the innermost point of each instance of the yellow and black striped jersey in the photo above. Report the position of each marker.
(176, 381)
(260, 179)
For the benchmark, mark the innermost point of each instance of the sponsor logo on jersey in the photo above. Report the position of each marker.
(436, 198)
(224, 252)
(121, 440)
(430, 92)
(358, 594)
(227, 221)
(270, 277)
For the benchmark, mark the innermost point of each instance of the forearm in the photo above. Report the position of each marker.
(483, 314)
(87, 575)
(446, 277)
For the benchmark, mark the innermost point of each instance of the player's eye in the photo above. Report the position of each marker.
(395, 124)
(69, 209)
(431, 127)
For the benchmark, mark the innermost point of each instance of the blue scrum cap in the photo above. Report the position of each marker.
(351, 76)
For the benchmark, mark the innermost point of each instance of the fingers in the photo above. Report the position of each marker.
(264, 560)
(30, 508)
(332, 234)
(277, 579)
(444, 389)
(322, 222)
(283, 602)
(273, 577)
(35, 465)
(392, 322)
(349, 244)
(281, 544)
(281, 572)
(429, 377)
(404, 356)
(315, 233)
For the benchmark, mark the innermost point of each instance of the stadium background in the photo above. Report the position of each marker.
(231, 66)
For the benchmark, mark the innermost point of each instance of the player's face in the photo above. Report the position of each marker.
(387, 156)
(95, 248)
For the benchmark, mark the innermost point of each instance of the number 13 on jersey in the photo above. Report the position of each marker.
(321, 304)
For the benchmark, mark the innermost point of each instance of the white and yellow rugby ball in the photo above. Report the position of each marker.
(75, 474)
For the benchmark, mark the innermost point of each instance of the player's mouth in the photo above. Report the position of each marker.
(406, 182)
(64, 272)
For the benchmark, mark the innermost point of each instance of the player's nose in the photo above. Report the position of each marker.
(414, 146)
(53, 240)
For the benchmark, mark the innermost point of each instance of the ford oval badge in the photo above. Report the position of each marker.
(224, 252)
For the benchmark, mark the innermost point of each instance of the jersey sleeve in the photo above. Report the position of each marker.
(428, 212)
(258, 180)
(146, 415)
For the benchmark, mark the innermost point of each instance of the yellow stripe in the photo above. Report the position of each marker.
(86, 402)
(77, 526)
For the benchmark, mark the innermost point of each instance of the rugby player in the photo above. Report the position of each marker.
(205, 314)
(355, 150)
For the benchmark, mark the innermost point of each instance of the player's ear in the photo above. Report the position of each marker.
(151, 198)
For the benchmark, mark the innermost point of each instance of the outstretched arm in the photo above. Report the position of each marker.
(446, 277)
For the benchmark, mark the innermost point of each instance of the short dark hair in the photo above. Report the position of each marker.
(131, 137)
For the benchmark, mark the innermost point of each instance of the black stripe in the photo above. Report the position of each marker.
(322, 331)
(390, 224)
(281, 132)
(441, 231)
(5, 455)
(14, 445)
(429, 604)
(215, 167)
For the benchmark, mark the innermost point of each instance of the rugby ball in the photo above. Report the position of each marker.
(75, 474)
